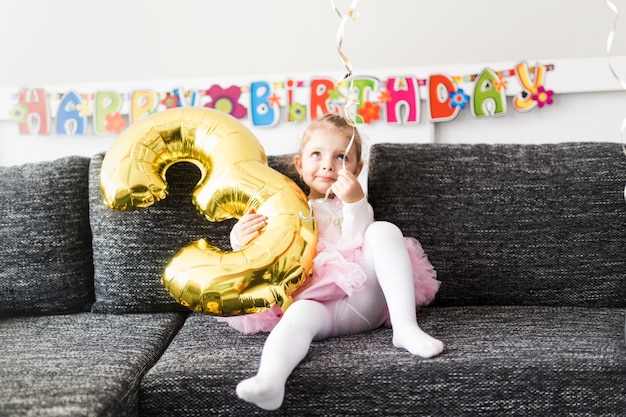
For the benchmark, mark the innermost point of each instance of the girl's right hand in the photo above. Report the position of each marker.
(249, 226)
(347, 187)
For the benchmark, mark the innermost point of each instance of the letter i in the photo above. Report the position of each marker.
(289, 86)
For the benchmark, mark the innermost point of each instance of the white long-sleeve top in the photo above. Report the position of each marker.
(346, 219)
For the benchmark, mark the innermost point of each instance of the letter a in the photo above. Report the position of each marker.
(487, 99)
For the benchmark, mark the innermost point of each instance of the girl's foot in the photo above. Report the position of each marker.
(264, 393)
(416, 341)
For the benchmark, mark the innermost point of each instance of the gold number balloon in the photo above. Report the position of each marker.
(235, 178)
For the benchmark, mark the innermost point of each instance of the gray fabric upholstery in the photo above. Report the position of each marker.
(131, 249)
(499, 361)
(511, 224)
(45, 252)
(79, 365)
(284, 163)
(528, 241)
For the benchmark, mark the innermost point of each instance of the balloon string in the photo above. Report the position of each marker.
(353, 14)
(310, 217)
(609, 45)
(349, 115)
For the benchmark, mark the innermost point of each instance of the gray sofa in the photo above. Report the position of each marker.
(529, 242)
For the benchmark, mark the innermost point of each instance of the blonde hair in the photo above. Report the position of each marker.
(340, 124)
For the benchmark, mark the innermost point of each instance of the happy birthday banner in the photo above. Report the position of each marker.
(395, 101)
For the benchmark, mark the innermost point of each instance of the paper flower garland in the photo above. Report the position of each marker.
(459, 99)
(84, 109)
(226, 100)
(297, 112)
(543, 97)
(19, 113)
(170, 101)
(369, 111)
(115, 123)
(500, 84)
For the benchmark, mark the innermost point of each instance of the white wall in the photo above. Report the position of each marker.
(87, 45)
(74, 41)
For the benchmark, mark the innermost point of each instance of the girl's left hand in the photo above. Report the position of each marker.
(347, 187)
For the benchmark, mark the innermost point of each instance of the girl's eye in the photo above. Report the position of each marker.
(315, 154)
(342, 157)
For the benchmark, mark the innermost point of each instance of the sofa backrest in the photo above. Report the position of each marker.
(511, 224)
(45, 241)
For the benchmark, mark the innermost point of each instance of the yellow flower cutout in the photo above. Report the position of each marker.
(84, 109)
(500, 84)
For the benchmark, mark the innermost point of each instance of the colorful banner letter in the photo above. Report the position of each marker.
(489, 97)
(261, 112)
(320, 98)
(524, 101)
(107, 103)
(439, 104)
(142, 102)
(69, 118)
(37, 117)
(403, 93)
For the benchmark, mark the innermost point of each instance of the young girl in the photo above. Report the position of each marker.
(365, 274)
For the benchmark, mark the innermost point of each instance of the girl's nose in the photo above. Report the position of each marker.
(328, 165)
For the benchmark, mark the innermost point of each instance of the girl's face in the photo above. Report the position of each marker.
(321, 158)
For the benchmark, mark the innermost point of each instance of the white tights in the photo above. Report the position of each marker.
(389, 285)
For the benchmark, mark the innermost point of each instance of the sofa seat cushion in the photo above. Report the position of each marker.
(498, 361)
(46, 265)
(511, 224)
(79, 365)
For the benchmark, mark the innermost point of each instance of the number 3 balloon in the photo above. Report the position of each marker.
(235, 178)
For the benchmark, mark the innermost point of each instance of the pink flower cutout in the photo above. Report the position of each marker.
(226, 100)
(543, 96)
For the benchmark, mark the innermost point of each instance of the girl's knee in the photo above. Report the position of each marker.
(303, 310)
(381, 231)
(309, 316)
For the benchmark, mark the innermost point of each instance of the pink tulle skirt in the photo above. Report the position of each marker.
(339, 271)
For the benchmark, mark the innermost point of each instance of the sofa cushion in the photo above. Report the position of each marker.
(511, 224)
(46, 265)
(132, 248)
(80, 364)
(500, 361)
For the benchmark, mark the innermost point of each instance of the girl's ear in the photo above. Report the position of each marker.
(297, 161)
(359, 167)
